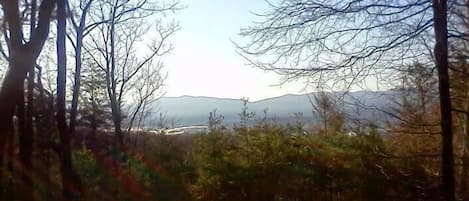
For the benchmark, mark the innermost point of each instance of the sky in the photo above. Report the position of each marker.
(204, 61)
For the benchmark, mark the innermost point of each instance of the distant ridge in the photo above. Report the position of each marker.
(192, 96)
(194, 110)
(275, 97)
(237, 99)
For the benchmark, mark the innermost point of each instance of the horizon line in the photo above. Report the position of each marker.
(268, 98)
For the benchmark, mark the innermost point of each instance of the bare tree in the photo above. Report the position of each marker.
(114, 48)
(147, 88)
(71, 186)
(80, 29)
(22, 56)
(353, 41)
(24, 107)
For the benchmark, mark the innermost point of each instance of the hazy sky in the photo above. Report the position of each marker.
(204, 61)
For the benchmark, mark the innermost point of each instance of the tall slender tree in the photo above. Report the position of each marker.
(70, 182)
(441, 62)
(81, 28)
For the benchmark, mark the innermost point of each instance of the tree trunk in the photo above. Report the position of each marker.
(464, 176)
(76, 86)
(77, 79)
(26, 140)
(78, 64)
(464, 185)
(10, 148)
(134, 115)
(116, 104)
(441, 58)
(26, 134)
(12, 90)
(71, 187)
(26, 149)
(12, 87)
(118, 130)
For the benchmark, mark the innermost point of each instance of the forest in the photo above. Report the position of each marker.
(79, 78)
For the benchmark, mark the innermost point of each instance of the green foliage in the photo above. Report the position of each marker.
(261, 162)
(274, 164)
(153, 175)
(94, 110)
(257, 162)
(95, 176)
(215, 120)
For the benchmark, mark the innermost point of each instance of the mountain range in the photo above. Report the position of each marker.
(194, 110)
